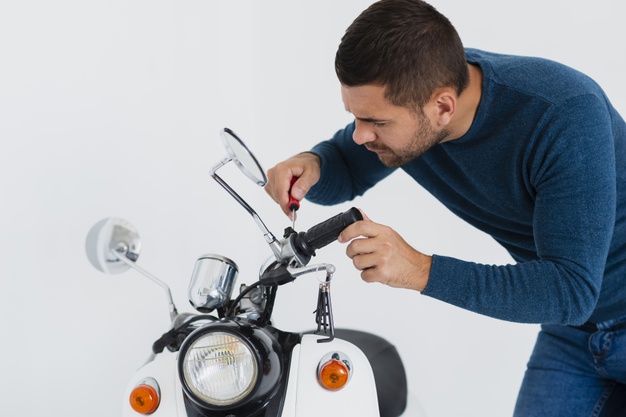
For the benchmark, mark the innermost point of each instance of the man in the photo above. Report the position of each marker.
(525, 149)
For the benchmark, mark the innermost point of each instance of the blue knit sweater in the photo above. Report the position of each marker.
(543, 170)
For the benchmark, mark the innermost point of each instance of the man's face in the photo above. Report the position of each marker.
(396, 134)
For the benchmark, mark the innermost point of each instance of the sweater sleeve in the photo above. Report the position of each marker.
(571, 174)
(347, 169)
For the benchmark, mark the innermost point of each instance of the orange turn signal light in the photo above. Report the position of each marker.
(144, 398)
(333, 374)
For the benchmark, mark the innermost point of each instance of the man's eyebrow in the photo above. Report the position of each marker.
(371, 120)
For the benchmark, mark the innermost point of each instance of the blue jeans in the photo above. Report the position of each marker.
(576, 372)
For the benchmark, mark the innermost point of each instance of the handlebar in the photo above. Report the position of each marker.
(305, 244)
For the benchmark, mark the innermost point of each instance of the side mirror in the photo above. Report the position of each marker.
(239, 153)
(108, 241)
(243, 157)
(113, 246)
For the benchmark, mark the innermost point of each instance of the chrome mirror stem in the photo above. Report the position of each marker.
(269, 237)
(120, 253)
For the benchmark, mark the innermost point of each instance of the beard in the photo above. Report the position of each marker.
(424, 138)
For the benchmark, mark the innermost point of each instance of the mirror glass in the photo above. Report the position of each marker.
(242, 156)
(107, 237)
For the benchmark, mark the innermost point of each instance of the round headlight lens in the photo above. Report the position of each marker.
(220, 368)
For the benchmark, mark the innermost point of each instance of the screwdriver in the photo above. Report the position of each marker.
(294, 204)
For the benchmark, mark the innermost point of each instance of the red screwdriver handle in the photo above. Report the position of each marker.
(293, 203)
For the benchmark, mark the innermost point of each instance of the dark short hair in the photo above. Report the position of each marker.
(406, 46)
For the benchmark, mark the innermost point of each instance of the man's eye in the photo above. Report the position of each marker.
(377, 124)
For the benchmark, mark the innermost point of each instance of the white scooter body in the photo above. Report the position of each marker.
(304, 397)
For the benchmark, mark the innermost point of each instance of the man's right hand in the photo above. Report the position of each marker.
(304, 166)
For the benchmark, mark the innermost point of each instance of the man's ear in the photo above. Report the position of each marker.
(443, 104)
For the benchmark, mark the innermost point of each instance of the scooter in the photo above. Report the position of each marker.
(228, 359)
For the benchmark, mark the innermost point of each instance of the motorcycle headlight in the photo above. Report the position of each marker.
(220, 368)
(230, 365)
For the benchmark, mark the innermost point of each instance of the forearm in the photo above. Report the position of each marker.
(531, 292)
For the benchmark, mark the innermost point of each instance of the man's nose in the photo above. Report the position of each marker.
(363, 133)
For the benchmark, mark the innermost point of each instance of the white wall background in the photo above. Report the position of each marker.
(114, 107)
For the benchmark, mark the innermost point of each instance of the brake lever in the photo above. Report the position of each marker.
(324, 311)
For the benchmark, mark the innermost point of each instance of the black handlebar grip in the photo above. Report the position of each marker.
(325, 232)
